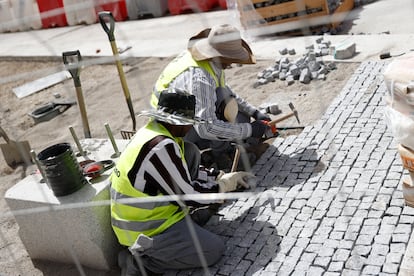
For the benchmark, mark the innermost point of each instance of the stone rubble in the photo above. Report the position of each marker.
(306, 68)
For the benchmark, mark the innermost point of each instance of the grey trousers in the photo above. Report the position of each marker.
(175, 248)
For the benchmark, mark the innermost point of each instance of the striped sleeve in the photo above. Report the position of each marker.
(163, 170)
(203, 87)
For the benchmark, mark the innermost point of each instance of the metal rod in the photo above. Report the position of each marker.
(34, 157)
(111, 137)
(81, 151)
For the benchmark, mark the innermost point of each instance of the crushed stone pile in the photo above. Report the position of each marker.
(306, 68)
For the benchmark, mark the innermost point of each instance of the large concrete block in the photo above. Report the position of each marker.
(70, 229)
(345, 50)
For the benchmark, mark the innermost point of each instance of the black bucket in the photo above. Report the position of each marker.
(62, 170)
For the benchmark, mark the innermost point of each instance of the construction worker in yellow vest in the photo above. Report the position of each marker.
(158, 232)
(200, 71)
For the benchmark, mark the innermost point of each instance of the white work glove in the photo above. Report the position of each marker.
(229, 182)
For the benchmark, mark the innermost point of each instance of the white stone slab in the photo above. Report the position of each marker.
(40, 84)
(72, 228)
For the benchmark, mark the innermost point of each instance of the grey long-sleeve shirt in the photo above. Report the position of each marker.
(201, 84)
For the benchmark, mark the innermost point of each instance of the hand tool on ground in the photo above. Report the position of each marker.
(15, 152)
(50, 110)
(95, 169)
(111, 137)
(105, 17)
(72, 60)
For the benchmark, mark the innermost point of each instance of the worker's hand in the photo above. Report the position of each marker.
(259, 116)
(259, 128)
(229, 182)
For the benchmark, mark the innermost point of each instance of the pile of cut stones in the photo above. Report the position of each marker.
(304, 69)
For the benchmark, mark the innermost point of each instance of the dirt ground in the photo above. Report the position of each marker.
(105, 103)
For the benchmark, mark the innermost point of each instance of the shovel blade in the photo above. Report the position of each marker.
(16, 153)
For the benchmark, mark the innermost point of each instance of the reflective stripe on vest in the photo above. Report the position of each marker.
(130, 219)
(178, 65)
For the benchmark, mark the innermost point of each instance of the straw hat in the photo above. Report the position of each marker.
(221, 41)
(175, 108)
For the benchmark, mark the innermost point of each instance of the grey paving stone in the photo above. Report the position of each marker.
(344, 244)
(350, 272)
(375, 260)
(341, 255)
(363, 173)
(337, 235)
(326, 252)
(322, 262)
(336, 266)
(319, 239)
(362, 250)
(407, 219)
(371, 270)
(394, 257)
(329, 273)
(400, 238)
(273, 266)
(315, 271)
(397, 247)
(383, 239)
(390, 268)
(369, 229)
(403, 229)
(380, 249)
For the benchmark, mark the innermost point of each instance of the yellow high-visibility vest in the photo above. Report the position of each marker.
(178, 65)
(130, 219)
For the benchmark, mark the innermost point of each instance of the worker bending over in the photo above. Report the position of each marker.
(200, 70)
(160, 235)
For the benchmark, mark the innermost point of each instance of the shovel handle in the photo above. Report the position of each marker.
(72, 65)
(110, 18)
(4, 135)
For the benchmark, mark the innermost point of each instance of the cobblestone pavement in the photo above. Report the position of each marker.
(329, 200)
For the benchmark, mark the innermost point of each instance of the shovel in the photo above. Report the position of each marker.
(72, 60)
(110, 32)
(15, 152)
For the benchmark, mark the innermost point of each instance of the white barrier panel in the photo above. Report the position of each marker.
(138, 8)
(6, 17)
(26, 15)
(80, 12)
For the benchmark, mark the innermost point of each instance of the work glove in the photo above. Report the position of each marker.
(259, 128)
(230, 182)
(259, 116)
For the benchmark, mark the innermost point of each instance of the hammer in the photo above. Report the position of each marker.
(293, 113)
